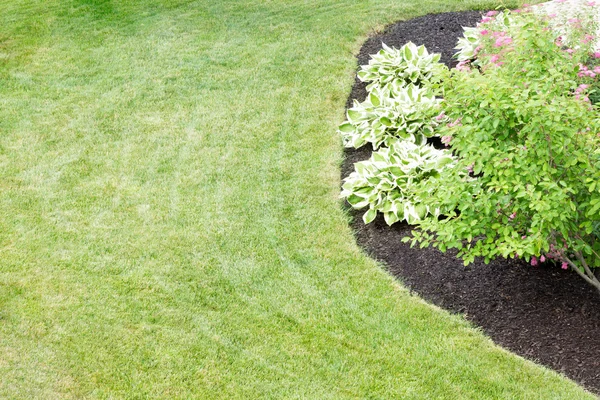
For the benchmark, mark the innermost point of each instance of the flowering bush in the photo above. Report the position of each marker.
(408, 65)
(391, 182)
(397, 112)
(525, 128)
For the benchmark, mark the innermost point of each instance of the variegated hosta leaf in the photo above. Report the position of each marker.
(467, 44)
(393, 182)
(390, 114)
(407, 65)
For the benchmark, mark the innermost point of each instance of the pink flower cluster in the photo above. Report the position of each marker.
(557, 254)
(495, 59)
(446, 140)
(503, 41)
(464, 66)
(559, 41)
(534, 260)
(579, 92)
(455, 123)
(585, 71)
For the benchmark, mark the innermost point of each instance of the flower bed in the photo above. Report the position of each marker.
(440, 278)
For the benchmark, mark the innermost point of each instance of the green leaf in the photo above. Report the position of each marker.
(374, 99)
(369, 216)
(346, 127)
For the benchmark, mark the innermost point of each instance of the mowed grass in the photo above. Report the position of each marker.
(169, 225)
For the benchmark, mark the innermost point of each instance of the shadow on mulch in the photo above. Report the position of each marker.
(542, 313)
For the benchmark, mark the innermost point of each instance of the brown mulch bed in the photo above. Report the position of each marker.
(542, 313)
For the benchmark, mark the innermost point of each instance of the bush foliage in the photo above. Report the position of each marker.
(520, 119)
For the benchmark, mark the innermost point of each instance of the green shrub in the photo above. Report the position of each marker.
(526, 129)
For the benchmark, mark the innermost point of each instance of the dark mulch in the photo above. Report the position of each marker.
(542, 313)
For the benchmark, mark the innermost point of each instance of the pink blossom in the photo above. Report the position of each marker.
(597, 69)
(534, 260)
(542, 259)
(570, 51)
(486, 19)
(446, 140)
(463, 66)
(564, 265)
(484, 32)
(455, 123)
(559, 1)
(590, 3)
(524, 237)
(494, 58)
(581, 88)
(558, 41)
(596, 54)
(470, 168)
(502, 41)
(573, 21)
(513, 215)
(491, 13)
(553, 15)
(440, 117)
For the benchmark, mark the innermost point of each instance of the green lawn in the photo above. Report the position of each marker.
(170, 228)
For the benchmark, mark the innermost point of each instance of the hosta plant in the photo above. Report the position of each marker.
(399, 112)
(526, 130)
(391, 182)
(407, 65)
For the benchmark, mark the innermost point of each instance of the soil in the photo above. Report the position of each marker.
(542, 313)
